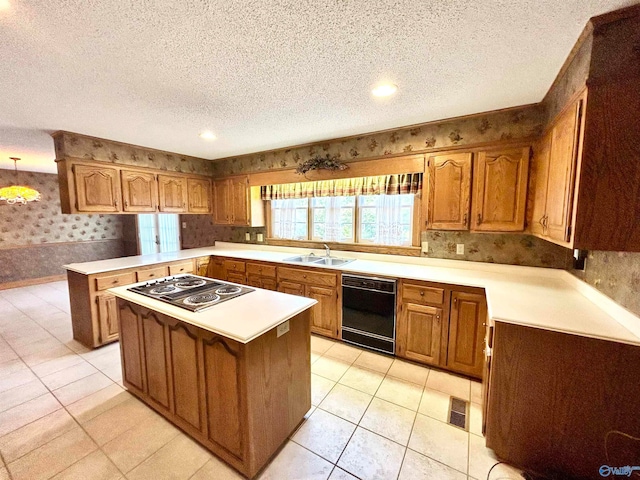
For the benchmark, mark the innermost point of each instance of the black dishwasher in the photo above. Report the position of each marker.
(369, 312)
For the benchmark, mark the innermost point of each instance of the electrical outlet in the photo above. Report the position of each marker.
(282, 329)
(260, 237)
(184, 224)
(460, 248)
(247, 237)
(425, 248)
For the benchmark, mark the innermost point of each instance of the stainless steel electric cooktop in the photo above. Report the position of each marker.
(190, 292)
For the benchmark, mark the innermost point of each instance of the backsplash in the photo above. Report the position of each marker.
(200, 231)
(69, 144)
(616, 274)
(510, 124)
(512, 249)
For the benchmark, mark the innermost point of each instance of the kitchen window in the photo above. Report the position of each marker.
(372, 219)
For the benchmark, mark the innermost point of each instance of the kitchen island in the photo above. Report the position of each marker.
(236, 377)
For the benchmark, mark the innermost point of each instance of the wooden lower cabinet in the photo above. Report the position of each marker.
(107, 317)
(562, 405)
(466, 333)
(94, 316)
(241, 401)
(442, 325)
(321, 286)
(419, 332)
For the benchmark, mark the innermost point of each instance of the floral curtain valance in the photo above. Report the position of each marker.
(346, 187)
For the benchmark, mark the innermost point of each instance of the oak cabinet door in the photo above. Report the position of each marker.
(236, 277)
(223, 395)
(199, 192)
(324, 314)
(269, 283)
(540, 174)
(419, 331)
(107, 317)
(139, 191)
(562, 166)
(449, 191)
(185, 365)
(157, 367)
(131, 350)
(221, 201)
(173, 194)
(466, 333)
(291, 288)
(97, 188)
(500, 192)
(240, 201)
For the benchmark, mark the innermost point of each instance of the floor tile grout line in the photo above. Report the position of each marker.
(411, 431)
(75, 420)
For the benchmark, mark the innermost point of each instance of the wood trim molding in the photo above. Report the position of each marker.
(347, 247)
(402, 163)
(131, 168)
(32, 281)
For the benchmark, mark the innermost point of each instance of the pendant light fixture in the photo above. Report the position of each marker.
(18, 193)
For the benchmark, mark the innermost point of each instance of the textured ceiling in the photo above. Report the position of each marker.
(267, 74)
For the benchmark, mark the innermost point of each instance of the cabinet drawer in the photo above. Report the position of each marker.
(102, 283)
(262, 270)
(186, 267)
(308, 276)
(422, 294)
(151, 273)
(234, 266)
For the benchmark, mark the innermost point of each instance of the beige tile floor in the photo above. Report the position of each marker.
(65, 415)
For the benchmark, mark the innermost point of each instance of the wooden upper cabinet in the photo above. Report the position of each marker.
(240, 200)
(199, 192)
(500, 190)
(97, 188)
(139, 191)
(231, 201)
(173, 194)
(221, 201)
(540, 174)
(449, 191)
(562, 169)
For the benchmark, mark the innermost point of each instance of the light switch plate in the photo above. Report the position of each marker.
(425, 248)
(247, 237)
(460, 248)
(282, 329)
(184, 224)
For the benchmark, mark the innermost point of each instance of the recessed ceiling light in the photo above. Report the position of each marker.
(385, 90)
(5, 5)
(206, 135)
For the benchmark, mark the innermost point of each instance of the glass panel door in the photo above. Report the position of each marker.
(158, 233)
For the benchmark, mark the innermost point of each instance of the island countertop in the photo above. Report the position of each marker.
(537, 297)
(243, 318)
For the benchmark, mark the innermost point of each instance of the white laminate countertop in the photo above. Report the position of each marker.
(536, 297)
(243, 318)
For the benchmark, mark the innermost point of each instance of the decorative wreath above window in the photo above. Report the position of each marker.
(321, 163)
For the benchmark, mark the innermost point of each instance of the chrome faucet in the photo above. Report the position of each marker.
(327, 250)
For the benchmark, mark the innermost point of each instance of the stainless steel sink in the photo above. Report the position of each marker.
(334, 262)
(304, 259)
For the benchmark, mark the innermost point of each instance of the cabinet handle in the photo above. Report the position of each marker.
(152, 274)
(422, 293)
(437, 317)
(304, 276)
(479, 218)
(114, 282)
(126, 204)
(464, 219)
(455, 301)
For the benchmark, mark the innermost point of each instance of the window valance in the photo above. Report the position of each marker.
(383, 184)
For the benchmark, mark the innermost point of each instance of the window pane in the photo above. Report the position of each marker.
(289, 218)
(386, 219)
